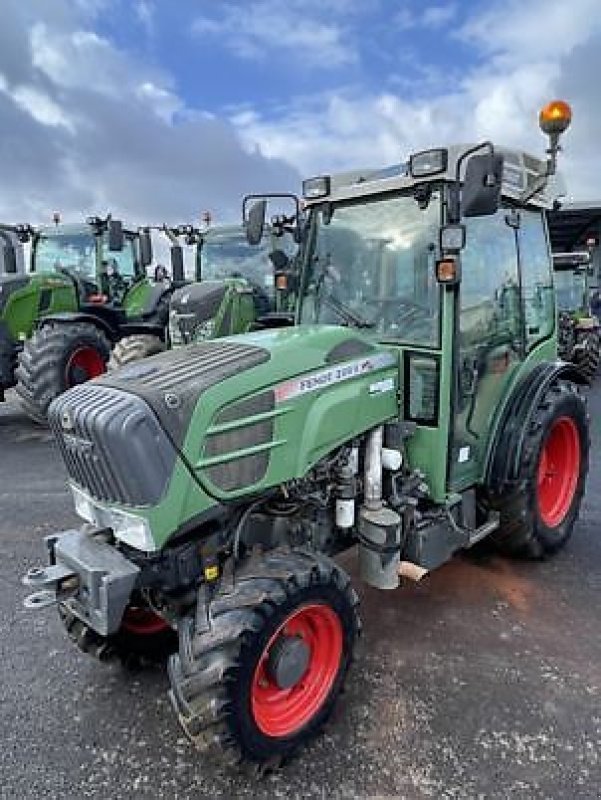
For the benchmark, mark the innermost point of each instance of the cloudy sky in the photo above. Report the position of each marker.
(158, 109)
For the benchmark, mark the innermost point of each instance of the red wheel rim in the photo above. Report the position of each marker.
(143, 622)
(282, 712)
(558, 471)
(84, 364)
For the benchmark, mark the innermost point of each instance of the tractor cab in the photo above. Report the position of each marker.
(100, 257)
(578, 337)
(571, 277)
(237, 286)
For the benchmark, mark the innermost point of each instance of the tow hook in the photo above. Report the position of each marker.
(59, 583)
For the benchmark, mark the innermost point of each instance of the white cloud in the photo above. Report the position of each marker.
(522, 65)
(38, 105)
(88, 128)
(434, 16)
(303, 32)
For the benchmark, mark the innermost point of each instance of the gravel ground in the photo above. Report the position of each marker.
(482, 682)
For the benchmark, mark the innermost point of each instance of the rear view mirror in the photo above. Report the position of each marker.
(115, 235)
(481, 193)
(177, 264)
(255, 222)
(10, 258)
(145, 248)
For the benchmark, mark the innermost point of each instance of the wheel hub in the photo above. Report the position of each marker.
(288, 661)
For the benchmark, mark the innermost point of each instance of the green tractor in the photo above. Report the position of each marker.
(579, 340)
(416, 408)
(236, 286)
(86, 289)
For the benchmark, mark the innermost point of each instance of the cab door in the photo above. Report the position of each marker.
(490, 339)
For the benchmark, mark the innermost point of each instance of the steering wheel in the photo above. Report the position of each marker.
(398, 301)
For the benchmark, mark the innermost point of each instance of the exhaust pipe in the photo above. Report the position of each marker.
(379, 525)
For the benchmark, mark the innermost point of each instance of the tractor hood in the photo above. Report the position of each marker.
(171, 383)
(177, 435)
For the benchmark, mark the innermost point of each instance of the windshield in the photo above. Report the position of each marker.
(373, 266)
(72, 252)
(230, 256)
(570, 290)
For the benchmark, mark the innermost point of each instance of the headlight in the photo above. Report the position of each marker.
(314, 188)
(428, 162)
(128, 528)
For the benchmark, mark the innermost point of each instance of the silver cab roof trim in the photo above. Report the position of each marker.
(520, 171)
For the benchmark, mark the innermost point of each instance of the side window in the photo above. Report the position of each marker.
(490, 312)
(537, 283)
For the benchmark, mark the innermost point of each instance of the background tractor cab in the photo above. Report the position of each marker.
(579, 339)
(237, 285)
(416, 407)
(85, 290)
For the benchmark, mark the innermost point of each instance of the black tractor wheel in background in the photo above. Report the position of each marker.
(134, 348)
(539, 513)
(144, 637)
(57, 357)
(265, 677)
(587, 353)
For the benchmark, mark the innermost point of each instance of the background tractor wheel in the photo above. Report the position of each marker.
(265, 677)
(587, 354)
(134, 348)
(537, 518)
(56, 358)
(143, 637)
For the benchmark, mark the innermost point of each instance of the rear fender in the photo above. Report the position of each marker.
(508, 443)
(69, 317)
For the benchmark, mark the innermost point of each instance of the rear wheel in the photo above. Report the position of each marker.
(265, 677)
(537, 517)
(56, 358)
(134, 348)
(143, 637)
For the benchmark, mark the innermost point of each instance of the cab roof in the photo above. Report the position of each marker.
(520, 171)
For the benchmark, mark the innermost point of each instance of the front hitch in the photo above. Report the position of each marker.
(55, 583)
(89, 575)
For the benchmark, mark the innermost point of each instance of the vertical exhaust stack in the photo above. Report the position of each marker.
(379, 525)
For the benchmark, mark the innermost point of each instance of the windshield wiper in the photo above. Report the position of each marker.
(347, 313)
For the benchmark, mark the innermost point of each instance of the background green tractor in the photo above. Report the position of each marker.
(237, 285)
(86, 289)
(579, 339)
(416, 408)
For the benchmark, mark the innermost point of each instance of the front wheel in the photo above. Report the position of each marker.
(266, 675)
(135, 348)
(57, 357)
(538, 515)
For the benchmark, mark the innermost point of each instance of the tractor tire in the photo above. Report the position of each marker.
(587, 354)
(143, 638)
(264, 677)
(134, 348)
(56, 358)
(538, 517)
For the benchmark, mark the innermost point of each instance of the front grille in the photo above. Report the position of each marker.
(112, 445)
